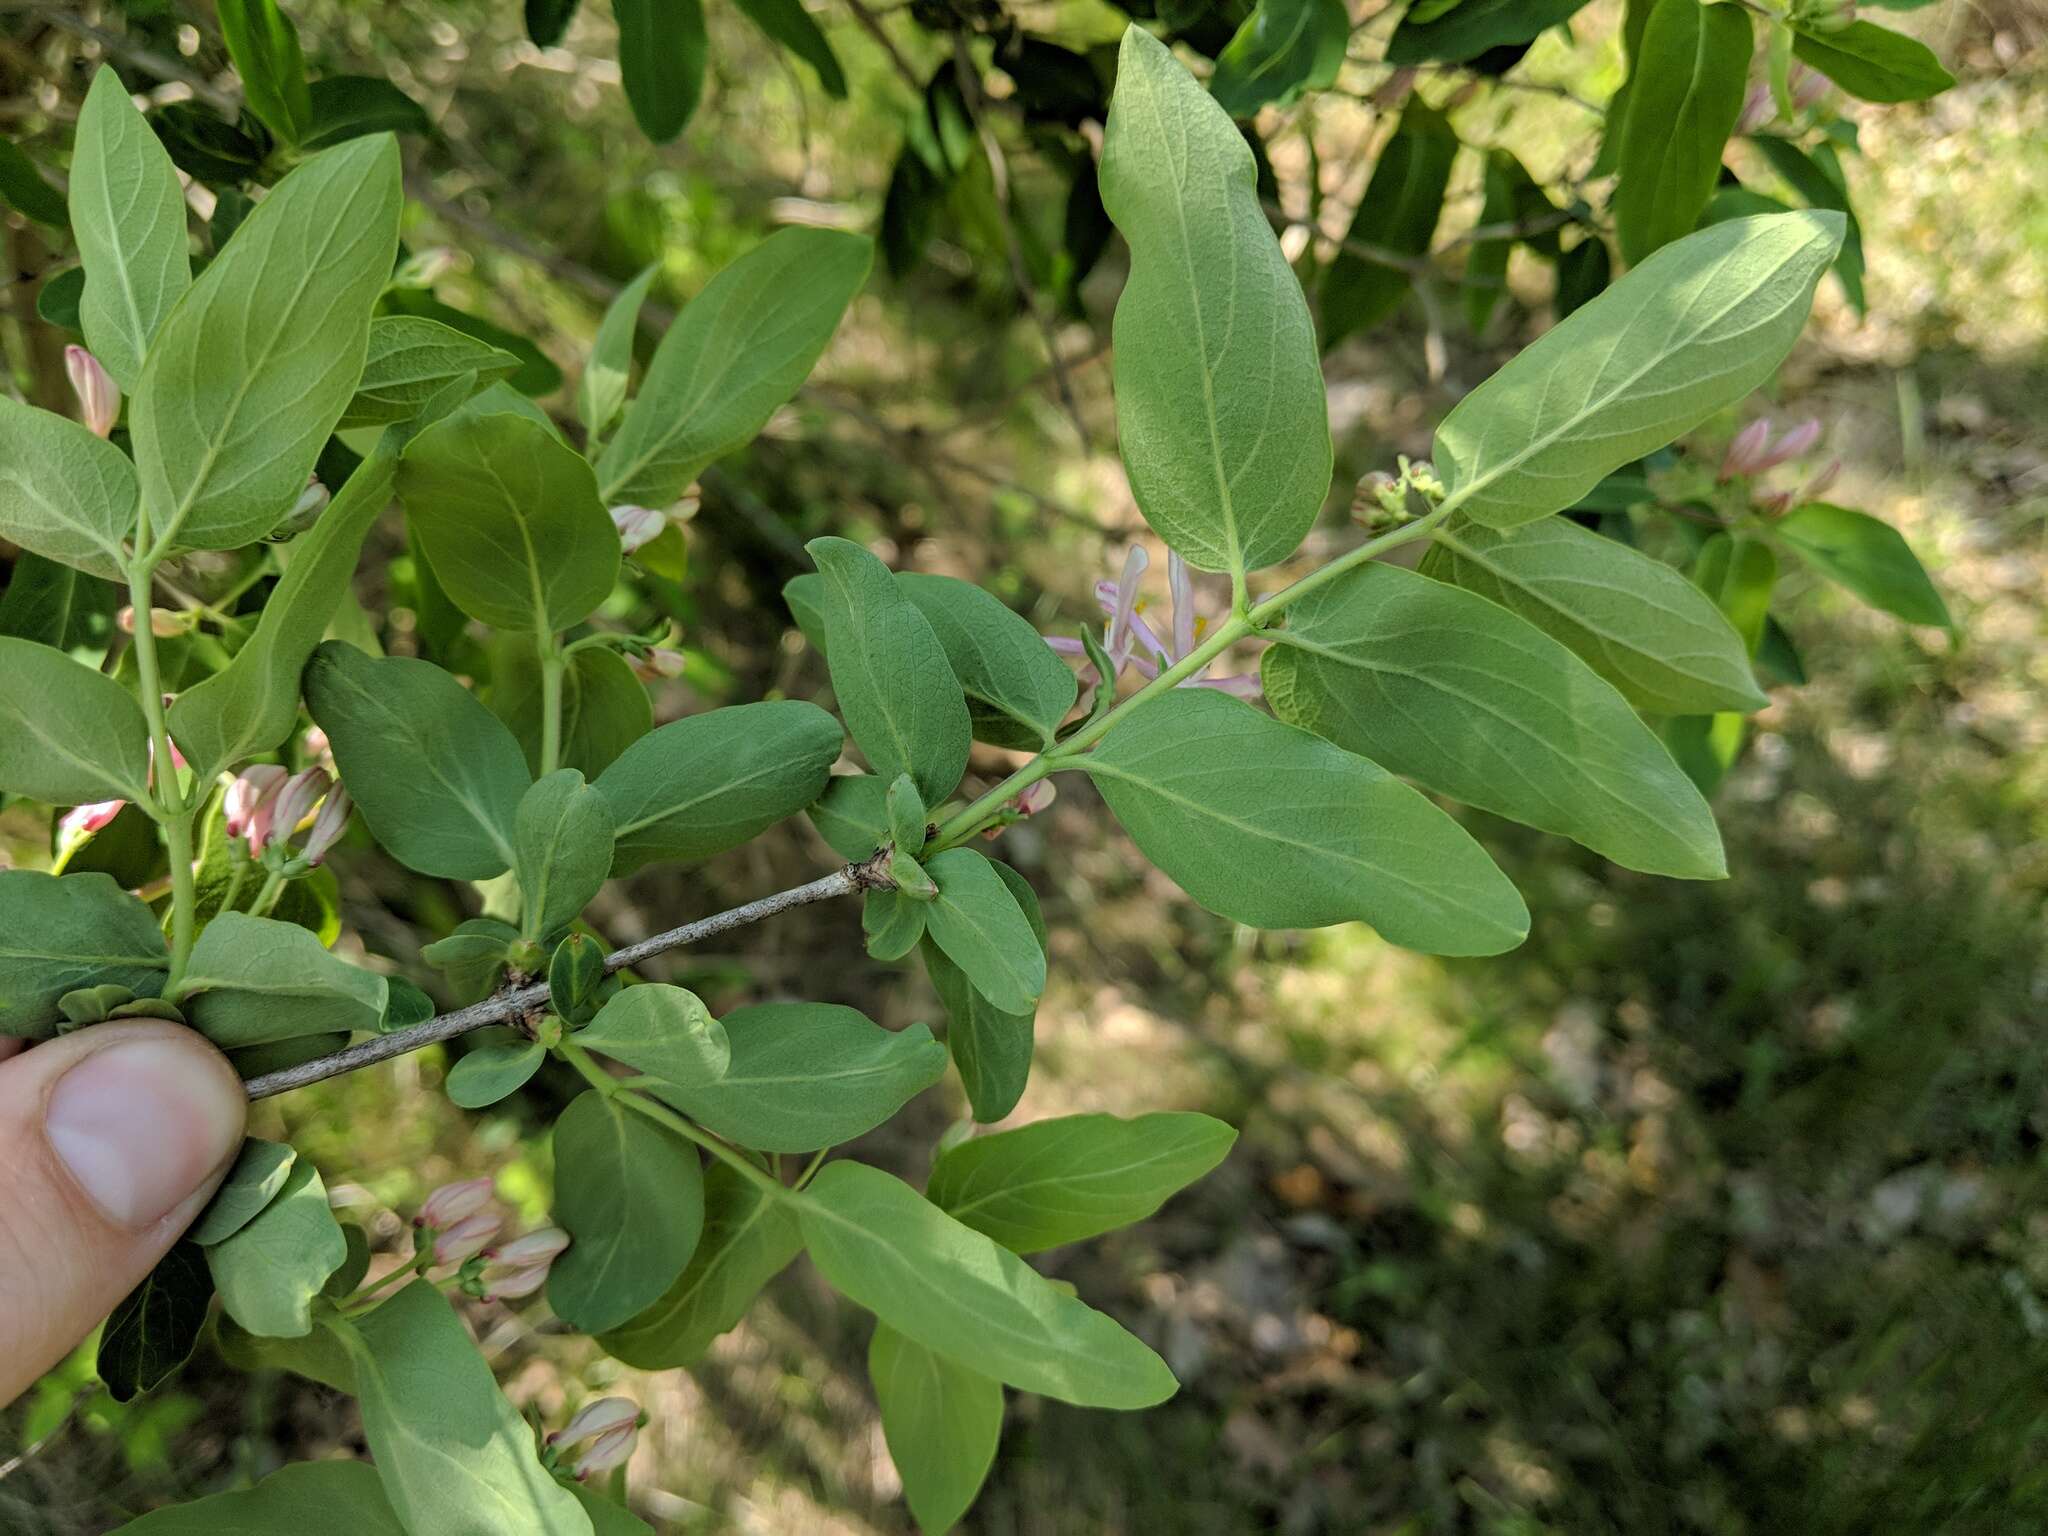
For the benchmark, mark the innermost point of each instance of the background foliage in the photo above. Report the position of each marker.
(1714, 1206)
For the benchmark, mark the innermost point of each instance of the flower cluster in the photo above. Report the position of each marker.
(1131, 643)
(610, 1427)
(460, 1224)
(641, 526)
(1760, 107)
(266, 805)
(1756, 451)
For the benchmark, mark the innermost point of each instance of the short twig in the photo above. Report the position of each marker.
(515, 1003)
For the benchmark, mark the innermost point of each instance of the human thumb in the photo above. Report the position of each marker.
(111, 1141)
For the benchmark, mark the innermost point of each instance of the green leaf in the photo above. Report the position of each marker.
(1061, 1181)
(259, 1172)
(548, 20)
(749, 1238)
(1867, 557)
(1283, 48)
(788, 23)
(662, 50)
(1817, 179)
(252, 980)
(1873, 63)
(890, 673)
(68, 735)
(308, 1498)
(1738, 572)
(537, 373)
(23, 188)
(1017, 690)
(1511, 197)
(809, 1075)
(260, 358)
(605, 708)
(1448, 689)
(1314, 836)
(128, 217)
(509, 518)
(152, 1332)
(474, 956)
(436, 776)
(492, 1072)
(665, 1032)
(991, 1049)
(454, 1456)
(907, 821)
(318, 1356)
(578, 983)
(264, 46)
(1399, 214)
(65, 493)
(350, 106)
(1472, 27)
(1220, 408)
(55, 605)
(735, 355)
(852, 815)
(562, 850)
(631, 1194)
(269, 1272)
(886, 1248)
(1696, 327)
(252, 704)
(1582, 275)
(942, 1422)
(1636, 621)
(892, 922)
(709, 782)
(601, 392)
(978, 925)
(411, 360)
(59, 933)
(607, 1518)
(1690, 78)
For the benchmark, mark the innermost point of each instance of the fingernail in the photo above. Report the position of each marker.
(142, 1124)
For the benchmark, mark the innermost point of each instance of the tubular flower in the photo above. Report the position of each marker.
(295, 802)
(328, 826)
(1131, 642)
(520, 1267)
(249, 798)
(466, 1238)
(451, 1202)
(83, 820)
(99, 397)
(611, 1425)
(637, 526)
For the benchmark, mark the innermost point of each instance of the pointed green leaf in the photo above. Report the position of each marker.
(128, 216)
(894, 684)
(981, 929)
(252, 980)
(59, 933)
(1283, 48)
(991, 1049)
(493, 1072)
(1017, 690)
(68, 735)
(409, 361)
(455, 1457)
(1459, 33)
(153, 1330)
(264, 46)
(631, 1195)
(749, 1238)
(788, 23)
(701, 785)
(64, 493)
(662, 50)
(257, 362)
(1219, 394)
(1446, 688)
(1689, 79)
(307, 1498)
(1313, 836)
(885, 1247)
(942, 1422)
(270, 1271)
(1739, 572)
(809, 1075)
(1873, 63)
(1398, 213)
(735, 355)
(24, 189)
(665, 1032)
(350, 106)
(561, 850)
(601, 391)
(1867, 557)
(1636, 621)
(1696, 327)
(436, 776)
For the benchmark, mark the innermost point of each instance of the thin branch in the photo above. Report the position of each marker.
(873, 26)
(147, 60)
(518, 1003)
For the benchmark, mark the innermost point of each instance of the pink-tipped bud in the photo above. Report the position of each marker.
(328, 826)
(1033, 798)
(1822, 482)
(315, 743)
(608, 1451)
(637, 526)
(451, 1202)
(466, 1238)
(250, 795)
(1775, 503)
(295, 802)
(84, 820)
(1800, 439)
(1745, 453)
(99, 397)
(599, 1418)
(660, 662)
(1758, 108)
(1808, 85)
(520, 1267)
(162, 622)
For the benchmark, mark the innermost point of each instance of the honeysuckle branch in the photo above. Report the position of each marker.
(518, 1003)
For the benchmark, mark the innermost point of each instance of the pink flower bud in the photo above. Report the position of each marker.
(660, 662)
(1034, 798)
(315, 742)
(599, 1418)
(1758, 108)
(637, 526)
(84, 820)
(511, 1284)
(1821, 482)
(608, 1451)
(1800, 439)
(99, 397)
(296, 801)
(329, 824)
(1745, 453)
(1808, 85)
(540, 1246)
(451, 1202)
(249, 795)
(467, 1237)
(520, 1267)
